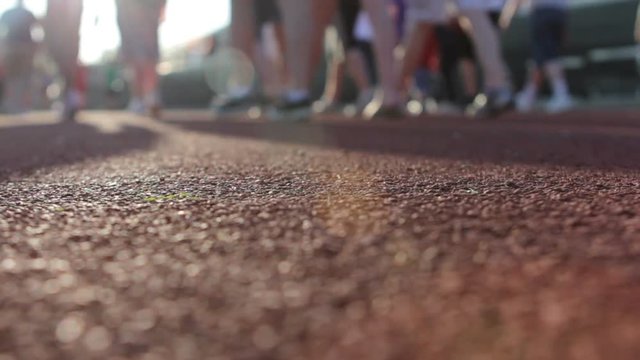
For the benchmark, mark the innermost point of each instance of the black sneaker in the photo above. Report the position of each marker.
(290, 110)
(236, 105)
(492, 104)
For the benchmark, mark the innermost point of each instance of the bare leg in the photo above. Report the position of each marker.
(469, 77)
(527, 97)
(414, 48)
(356, 66)
(305, 22)
(243, 27)
(486, 41)
(138, 80)
(323, 12)
(557, 80)
(384, 44)
(282, 65)
(333, 84)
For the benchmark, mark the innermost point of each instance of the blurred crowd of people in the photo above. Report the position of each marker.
(388, 48)
(138, 22)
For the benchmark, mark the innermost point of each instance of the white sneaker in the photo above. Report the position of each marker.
(136, 106)
(525, 101)
(558, 104)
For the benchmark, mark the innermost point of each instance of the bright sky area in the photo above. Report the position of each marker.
(186, 20)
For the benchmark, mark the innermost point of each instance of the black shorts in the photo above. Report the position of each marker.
(267, 12)
(548, 29)
(349, 10)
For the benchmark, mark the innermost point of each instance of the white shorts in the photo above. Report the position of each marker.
(487, 5)
(437, 11)
(426, 11)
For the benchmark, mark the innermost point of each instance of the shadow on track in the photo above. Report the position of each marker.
(597, 141)
(28, 147)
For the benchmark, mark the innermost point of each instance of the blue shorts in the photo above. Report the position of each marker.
(548, 29)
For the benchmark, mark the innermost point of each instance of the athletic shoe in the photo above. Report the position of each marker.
(559, 103)
(525, 101)
(230, 105)
(492, 104)
(326, 107)
(153, 107)
(364, 98)
(72, 103)
(385, 112)
(291, 110)
(136, 106)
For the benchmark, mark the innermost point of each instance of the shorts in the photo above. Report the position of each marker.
(426, 11)
(486, 5)
(549, 25)
(267, 12)
(139, 32)
(349, 10)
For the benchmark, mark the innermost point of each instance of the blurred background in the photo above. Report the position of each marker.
(185, 36)
(600, 54)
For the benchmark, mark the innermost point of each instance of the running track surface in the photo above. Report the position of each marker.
(446, 238)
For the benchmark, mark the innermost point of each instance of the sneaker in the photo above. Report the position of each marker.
(384, 112)
(364, 98)
(136, 106)
(152, 105)
(292, 110)
(492, 104)
(326, 107)
(230, 105)
(525, 101)
(72, 103)
(558, 104)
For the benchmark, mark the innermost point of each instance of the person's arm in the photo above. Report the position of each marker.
(508, 12)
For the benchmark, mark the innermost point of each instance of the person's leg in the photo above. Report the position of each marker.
(334, 73)
(498, 95)
(339, 39)
(281, 61)
(357, 68)
(554, 20)
(243, 26)
(135, 69)
(298, 25)
(467, 64)
(304, 23)
(150, 82)
(66, 57)
(243, 39)
(384, 43)
(422, 17)
(526, 98)
(469, 75)
(486, 40)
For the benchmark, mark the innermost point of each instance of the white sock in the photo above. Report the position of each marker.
(559, 87)
(152, 98)
(239, 91)
(295, 95)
